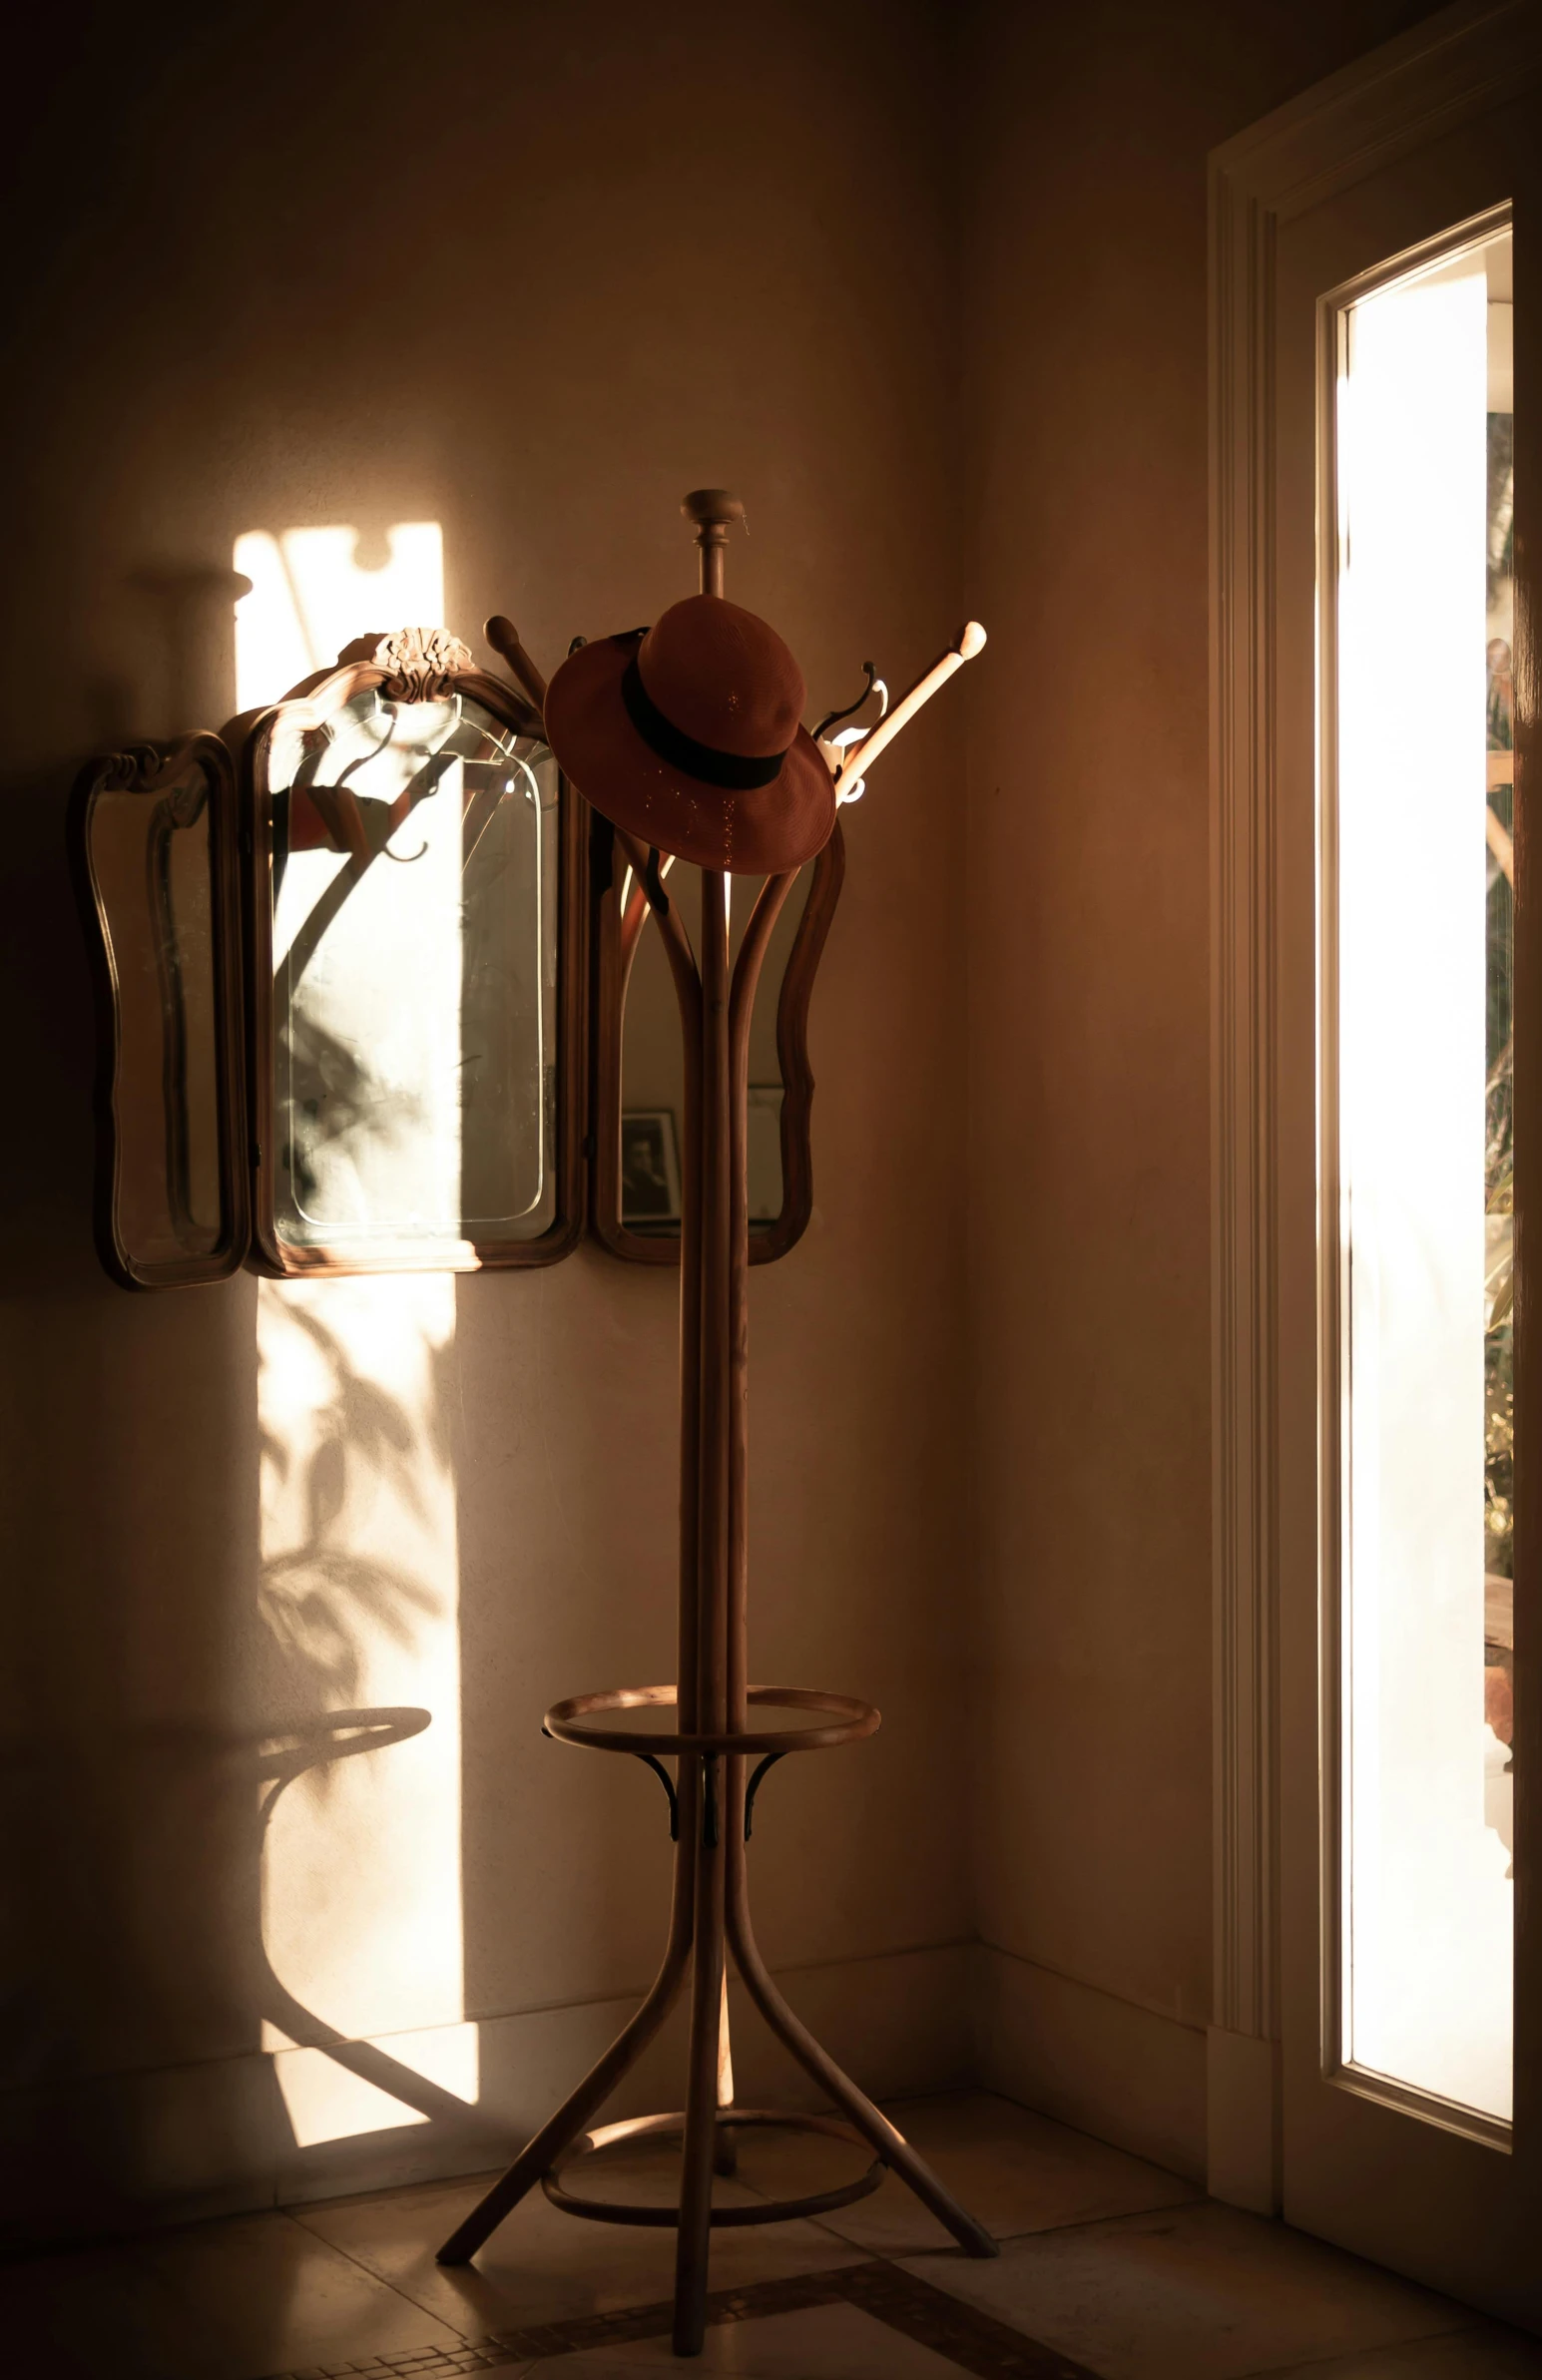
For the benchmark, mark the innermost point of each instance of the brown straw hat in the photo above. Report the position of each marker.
(687, 735)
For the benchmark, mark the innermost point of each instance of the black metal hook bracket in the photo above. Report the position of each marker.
(832, 719)
(753, 1786)
(649, 1760)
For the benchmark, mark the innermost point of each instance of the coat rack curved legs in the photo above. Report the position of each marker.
(715, 1705)
(561, 2130)
(709, 1915)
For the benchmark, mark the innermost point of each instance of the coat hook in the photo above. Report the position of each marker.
(875, 685)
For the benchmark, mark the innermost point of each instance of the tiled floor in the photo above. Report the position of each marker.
(1110, 2269)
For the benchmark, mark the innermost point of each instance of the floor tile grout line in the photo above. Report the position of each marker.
(1094, 2223)
(379, 2278)
(1004, 2238)
(1325, 2363)
(1085, 2223)
(990, 2333)
(971, 2340)
(902, 2268)
(1195, 2197)
(893, 2260)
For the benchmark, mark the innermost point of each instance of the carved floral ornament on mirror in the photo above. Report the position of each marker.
(419, 663)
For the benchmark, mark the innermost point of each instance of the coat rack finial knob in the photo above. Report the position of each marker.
(712, 508)
(713, 511)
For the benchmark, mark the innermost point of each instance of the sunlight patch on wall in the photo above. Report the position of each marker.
(325, 2101)
(311, 594)
(361, 1891)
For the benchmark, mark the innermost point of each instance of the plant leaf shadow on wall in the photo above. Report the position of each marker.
(315, 1593)
(200, 1654)
(359, 1590)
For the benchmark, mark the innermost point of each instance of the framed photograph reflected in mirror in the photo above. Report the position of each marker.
(650, 1169)
(153, 843)
(639, 1070)
(415, 933)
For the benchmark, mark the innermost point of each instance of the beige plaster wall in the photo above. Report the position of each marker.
(530, 272)
(1087, 938)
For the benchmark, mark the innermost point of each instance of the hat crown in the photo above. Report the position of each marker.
(723, 677)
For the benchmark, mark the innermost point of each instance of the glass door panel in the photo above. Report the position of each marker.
(1424, 823)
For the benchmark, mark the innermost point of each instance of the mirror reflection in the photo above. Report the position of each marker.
(653, 1067)
(415, 878)
(151, 853)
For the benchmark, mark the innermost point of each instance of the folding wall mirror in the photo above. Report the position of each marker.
(153, 840)
(639, 1070)
(415, 955)
(395, 1074)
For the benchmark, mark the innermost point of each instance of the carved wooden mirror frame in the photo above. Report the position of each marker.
(621, 912)
(410, 666)
(181, 783)
(602, 912)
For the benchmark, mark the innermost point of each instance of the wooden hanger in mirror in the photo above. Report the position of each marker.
(415, 950)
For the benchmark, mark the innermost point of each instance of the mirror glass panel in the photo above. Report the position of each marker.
(415, 881)
(151, 852)
(653, 1070)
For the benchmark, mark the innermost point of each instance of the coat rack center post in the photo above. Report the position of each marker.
(715, 1707)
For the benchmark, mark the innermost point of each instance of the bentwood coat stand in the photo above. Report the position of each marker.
(714, 1740)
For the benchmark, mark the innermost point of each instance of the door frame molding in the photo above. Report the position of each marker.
(1397, 100)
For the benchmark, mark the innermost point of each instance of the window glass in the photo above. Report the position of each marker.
(1424, 830)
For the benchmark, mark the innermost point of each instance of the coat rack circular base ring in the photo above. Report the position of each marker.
(663, 2218)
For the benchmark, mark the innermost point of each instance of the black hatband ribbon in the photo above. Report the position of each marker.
(733, 770)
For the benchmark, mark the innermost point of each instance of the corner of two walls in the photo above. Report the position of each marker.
(1084, 297)
(1088, 1074)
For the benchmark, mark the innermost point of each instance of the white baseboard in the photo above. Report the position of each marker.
(1243, 2103)
(1122, 2072)
(179, 2144)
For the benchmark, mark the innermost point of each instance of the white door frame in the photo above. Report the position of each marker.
(1387, 106)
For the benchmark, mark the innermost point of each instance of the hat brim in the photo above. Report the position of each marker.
(758, 833)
